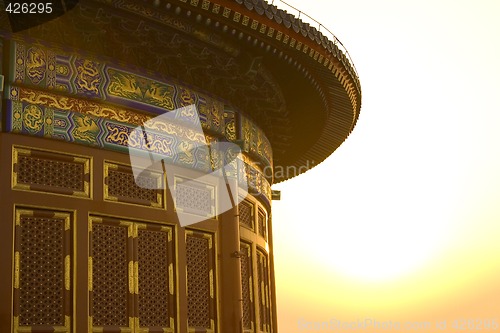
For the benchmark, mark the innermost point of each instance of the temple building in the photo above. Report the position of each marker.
(85, 247)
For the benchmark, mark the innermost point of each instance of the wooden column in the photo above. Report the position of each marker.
(231, 316)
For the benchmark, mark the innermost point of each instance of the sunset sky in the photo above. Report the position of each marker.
(401, 224)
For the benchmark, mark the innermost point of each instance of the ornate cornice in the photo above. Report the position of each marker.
(297, 85)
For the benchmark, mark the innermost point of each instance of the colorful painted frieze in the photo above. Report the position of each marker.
(255, 141)
(82, 77)
(170, 142)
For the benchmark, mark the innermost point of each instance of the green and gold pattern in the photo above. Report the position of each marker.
(111, 92)
(41, 68)
(255, 141)
(105, 133)
(230, 125)
(126, 86)
(77, 99)
(84, 106)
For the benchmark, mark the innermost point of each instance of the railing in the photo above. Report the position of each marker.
(324, 30)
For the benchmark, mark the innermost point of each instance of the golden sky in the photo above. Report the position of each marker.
(399, 230)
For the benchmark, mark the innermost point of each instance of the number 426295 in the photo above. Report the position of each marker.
(29, 8)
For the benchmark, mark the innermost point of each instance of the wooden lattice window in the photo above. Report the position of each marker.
(246, 213)
(120, 185)
(42, 272)
(262, 223)
(39, 170)
(155, 258)
(112, 271)
(132, 276)
(247, 287)
(264, 299)
(194, 197)
(200, 281)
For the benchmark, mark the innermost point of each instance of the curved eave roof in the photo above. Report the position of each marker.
(330, 72)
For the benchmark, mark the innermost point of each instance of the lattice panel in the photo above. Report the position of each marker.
(155, 279)
(42, 295)
(246, 214)
(111, 253)
(51, 172)
(120, 185)
(264, 292)
(194, 198)
(261, 221)
(200, 282)
(246, 286)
